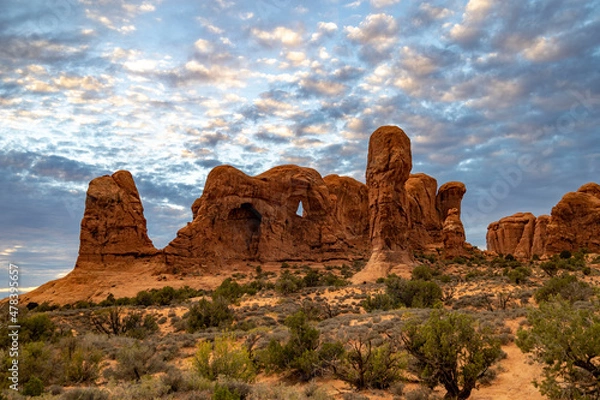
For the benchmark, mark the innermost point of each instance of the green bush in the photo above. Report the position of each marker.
(232, 291)
(224, 358)
(565, 341)
(288, 283)
(518, 275)
(565, 254)
(364, 365)
(136, 361)
(416, 293)
(301, 352)
(380, 301)
(205, 314)
(422, 272)
(33, 387)
(549, 267)
(80, 359)
(85, 394)
(137, 326)
(567, 286)
(224, 393)
(37, 327)
(449, 350)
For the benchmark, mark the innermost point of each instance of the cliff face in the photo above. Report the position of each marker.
(573, 224)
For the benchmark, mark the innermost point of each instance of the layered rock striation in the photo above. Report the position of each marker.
(574, 224)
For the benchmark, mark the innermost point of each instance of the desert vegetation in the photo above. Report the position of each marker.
(300, 332)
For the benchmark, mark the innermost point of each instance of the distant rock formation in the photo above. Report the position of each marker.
(453, 234)
(113, 225)
(573, 224)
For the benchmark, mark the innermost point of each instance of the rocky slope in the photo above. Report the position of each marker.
(574, 224)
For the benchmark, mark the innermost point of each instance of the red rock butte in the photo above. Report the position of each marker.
(574, 224)
(245, 219)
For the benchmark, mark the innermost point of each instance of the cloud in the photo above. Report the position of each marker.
(376, 35)
(469, 30)
(280, 36)
(383, 3)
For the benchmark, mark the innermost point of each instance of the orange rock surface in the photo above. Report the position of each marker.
(574, 224)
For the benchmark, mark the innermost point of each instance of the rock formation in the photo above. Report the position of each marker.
(512, 234)
(426, 226)
(450, 196)
(243, 218)
(573, 224)
(575, 221)
(388, 168)
(113, 227)
(453, 234)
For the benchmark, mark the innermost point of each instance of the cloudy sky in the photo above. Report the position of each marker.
(501, 95)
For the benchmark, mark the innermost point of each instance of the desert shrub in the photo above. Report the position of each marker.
(143, 298)
(422, 272)
(225, 393)
(380, 301)
(33, 387)
(366, 365)
(85, 394)
(416, 293)
(422, 393)
(264, 391)
(80, 360)
(448, 349)
(549, 267)
(113, 321)
(36, 327)
(565, 340)
(518, 275)
(135, 361)
(205, 314)
(38, 363)
(567, 286)
(224, 358)
(302, 353)
(288, 283)
(137, 326)
(565, 254)
(233, 291)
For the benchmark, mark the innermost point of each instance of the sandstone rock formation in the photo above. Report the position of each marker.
(113, 227)
(248, 218)
(426, 226)
(450, 196)
(573, 224)
(241, 219)
(453, 234)
(512, 234)
(388, 168)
